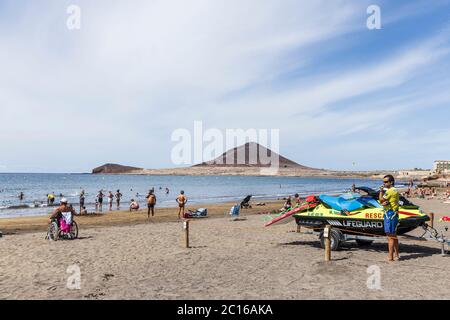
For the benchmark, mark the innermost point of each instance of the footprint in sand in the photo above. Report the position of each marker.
(107, 276)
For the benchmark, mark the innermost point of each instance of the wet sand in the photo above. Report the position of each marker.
(228, 260)
(125, 217)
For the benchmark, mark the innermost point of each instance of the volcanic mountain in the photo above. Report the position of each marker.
(249, 155)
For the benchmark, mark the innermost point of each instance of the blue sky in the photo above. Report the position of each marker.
(115, 90)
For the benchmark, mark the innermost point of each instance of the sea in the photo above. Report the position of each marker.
(198, 189)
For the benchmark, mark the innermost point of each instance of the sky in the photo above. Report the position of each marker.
(342, 96)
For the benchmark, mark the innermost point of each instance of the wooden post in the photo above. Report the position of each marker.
(186, 232)
(431, 219)
(327, 235)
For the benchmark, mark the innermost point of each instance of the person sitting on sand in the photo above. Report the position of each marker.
(134, 205)
(181, 200)
(421, 193)
(83, 211)
(151, 201)
(288, 204)
(297, 199)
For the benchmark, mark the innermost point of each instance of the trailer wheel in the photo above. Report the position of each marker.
(364, 243)
(335, 238)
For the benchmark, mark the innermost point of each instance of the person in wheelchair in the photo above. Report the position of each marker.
(63, 215)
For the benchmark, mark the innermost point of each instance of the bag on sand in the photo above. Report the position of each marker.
(202, 212)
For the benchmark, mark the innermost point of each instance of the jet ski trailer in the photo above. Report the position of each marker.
(337, 238)
(353, 216)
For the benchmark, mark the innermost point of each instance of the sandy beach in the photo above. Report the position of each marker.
(227, 260)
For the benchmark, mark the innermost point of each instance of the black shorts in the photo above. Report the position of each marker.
(100, 200)
(150, 206)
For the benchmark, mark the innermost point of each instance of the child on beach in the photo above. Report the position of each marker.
(83, 211)
(287, 204)
(134, 206)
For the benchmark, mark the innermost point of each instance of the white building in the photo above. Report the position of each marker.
(442, 166)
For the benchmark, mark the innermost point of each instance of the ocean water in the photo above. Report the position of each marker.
(198, 189)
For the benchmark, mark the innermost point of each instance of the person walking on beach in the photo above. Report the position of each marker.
(110, 200)
(151, 201)
(82, 199)
(118, 197)
(100, 196)
(389, 199)
(181, 200)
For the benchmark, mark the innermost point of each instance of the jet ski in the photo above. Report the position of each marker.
(356, 214)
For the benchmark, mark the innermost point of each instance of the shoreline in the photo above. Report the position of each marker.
(18, 225)
(8, 212)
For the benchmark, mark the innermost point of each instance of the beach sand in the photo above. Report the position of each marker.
(228, 260)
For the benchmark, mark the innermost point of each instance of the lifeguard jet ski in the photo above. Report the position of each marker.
(356, 214)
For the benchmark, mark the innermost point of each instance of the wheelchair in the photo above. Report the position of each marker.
(55, 233)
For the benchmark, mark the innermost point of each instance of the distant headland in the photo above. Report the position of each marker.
(237, 162)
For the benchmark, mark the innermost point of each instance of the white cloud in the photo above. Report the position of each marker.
(115, 89)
